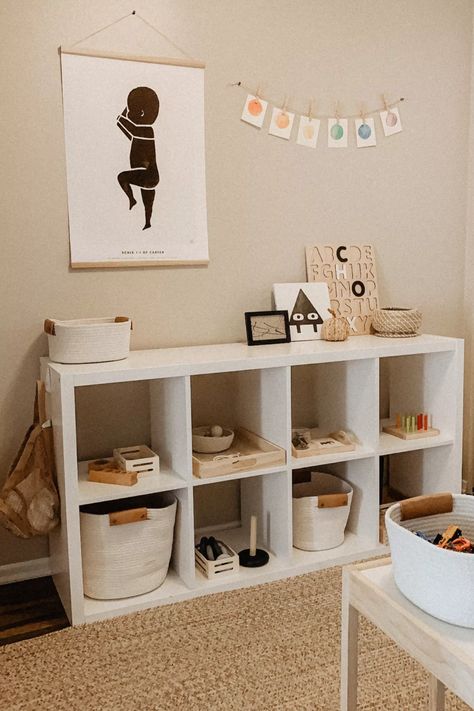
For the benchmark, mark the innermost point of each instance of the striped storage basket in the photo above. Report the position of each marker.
(126, 545)
(439, 581)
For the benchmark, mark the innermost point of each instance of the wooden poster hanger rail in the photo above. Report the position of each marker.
(185, 61)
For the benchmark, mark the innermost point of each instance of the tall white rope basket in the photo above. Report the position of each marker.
(126, 545)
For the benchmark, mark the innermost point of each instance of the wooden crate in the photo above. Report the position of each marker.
(138, 458)
(214, 568)
(248, 451)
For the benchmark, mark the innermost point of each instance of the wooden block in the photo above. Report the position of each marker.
(119, 518)
(419, 434)
(103, 471)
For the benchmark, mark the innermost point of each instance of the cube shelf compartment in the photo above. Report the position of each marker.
(354, 385)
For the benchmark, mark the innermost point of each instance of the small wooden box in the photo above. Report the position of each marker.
(322, 445)
(214, 568)
(248, 451)
(138, 458)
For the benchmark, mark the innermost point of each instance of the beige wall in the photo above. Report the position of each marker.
(267, 198)
(468, 444)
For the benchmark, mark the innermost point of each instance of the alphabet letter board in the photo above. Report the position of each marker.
(349, 271)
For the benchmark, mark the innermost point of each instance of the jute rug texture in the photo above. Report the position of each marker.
(274, 646)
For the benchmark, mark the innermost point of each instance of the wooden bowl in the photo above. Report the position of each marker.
(205, 443)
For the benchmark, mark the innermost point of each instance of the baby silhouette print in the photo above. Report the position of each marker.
(136, 122)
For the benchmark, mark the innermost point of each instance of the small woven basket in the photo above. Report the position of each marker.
(393, 322)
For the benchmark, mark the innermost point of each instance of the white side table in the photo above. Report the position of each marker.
(446, 651)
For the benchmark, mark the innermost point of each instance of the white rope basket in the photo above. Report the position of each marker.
(88, 340)
(396, 322)
(320, 512)
(439, 581)
(131, 557)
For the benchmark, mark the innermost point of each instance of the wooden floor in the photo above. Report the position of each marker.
(29, 609)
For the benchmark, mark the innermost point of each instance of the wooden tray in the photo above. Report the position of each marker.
(418, 434)
(318, 446)
(248, 451)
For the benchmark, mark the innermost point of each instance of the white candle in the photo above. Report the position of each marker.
(253, 535)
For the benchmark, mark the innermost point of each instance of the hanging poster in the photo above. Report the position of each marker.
(365, 132)
(308, 131)
(254, 111)
(307, 306)
(134, 132)
(390, 119)
(281, 123)
(349, 271)
(337, 133)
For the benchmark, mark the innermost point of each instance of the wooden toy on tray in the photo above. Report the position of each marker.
(107, 471)
(125, 466)
(309, 442)
(248, 451)
(412, 426)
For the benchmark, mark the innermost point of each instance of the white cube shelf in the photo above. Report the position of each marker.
(266, 389)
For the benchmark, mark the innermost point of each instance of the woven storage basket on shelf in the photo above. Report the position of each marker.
(320, 512)
(130, 558)
(393, 322)
(439, 581)
(88, 340)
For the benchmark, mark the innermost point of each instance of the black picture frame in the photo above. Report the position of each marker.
(267, 327)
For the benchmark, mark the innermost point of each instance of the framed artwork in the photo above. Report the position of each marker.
(265, 327)
(349, 271)
(307, 305)
(134, 133)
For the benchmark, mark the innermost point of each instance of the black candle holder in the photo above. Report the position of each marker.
(260, 558)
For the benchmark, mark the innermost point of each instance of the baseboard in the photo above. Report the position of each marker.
(26, 570)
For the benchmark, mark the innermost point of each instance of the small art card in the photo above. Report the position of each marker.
(391, 121)
(365, 132)
(307, 305)
(308, 131)
(337, 133)
(254, 110)
(281, 123)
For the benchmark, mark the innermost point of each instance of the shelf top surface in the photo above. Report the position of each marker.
(195, 360)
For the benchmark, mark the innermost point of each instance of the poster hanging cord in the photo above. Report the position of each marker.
(134, 13)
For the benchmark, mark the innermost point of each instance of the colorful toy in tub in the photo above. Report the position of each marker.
(451, 539)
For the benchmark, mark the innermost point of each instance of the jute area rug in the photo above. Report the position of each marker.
(274, 646)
